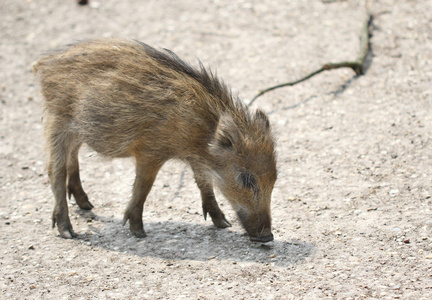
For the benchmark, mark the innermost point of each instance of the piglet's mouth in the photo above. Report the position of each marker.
(262, 239)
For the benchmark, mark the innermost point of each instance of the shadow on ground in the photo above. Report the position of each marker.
(188, 241)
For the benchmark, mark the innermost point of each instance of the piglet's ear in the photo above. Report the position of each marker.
(227, 133)
(262, 119)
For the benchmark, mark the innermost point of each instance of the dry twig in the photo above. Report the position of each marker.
(358, 65)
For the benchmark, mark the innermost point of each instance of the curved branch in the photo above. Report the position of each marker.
(358, 65)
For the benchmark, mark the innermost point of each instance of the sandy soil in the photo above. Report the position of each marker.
(351, 209)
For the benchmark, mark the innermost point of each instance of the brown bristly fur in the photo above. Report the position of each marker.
(125, 98)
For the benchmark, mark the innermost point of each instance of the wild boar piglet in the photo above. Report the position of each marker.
(125, 98)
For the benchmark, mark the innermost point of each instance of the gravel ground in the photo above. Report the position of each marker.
(351, 208)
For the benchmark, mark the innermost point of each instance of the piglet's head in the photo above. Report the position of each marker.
(243, 150)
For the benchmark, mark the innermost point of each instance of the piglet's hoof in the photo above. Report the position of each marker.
(136, 225)
(64, 226)
(66, 232)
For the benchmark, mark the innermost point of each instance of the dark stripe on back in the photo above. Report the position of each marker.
(207, 79)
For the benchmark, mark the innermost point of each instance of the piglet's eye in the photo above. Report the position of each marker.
(247, 181)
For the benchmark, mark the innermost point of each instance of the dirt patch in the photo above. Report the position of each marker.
(352, 206)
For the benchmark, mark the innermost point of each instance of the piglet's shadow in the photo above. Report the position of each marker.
(189, 241)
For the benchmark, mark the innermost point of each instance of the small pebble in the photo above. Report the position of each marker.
(394, 192)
